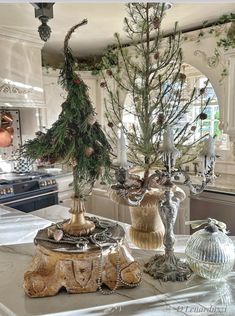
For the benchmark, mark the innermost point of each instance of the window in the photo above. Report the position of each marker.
(209, 125)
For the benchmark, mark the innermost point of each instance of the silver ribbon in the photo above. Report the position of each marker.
(197, 223)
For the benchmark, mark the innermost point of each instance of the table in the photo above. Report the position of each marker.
(193, 297)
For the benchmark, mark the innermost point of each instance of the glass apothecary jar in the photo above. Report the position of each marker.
(210, 252)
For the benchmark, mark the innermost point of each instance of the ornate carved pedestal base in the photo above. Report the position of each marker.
(168, 268)
(57, 266)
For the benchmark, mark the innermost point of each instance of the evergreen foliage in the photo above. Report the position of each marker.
(76, 138)
(150, 70)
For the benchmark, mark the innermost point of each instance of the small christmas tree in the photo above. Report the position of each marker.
(76, 138)
(150, 71)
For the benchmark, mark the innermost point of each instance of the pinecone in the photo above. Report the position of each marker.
(109, 72)
(156, 55)
(202, 91)
(193, 128)
(160, 119)
(156, 22)
(110, 124)
(103, 84)
(203, 116)
(182, 77)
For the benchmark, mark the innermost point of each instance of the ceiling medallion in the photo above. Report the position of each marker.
(44, 12)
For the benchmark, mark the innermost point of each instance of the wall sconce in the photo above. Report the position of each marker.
(44, 12)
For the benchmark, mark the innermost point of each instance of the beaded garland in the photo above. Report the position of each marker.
(105, 236)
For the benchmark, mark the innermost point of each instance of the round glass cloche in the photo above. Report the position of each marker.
(210, 252)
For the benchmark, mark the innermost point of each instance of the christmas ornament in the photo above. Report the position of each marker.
(182, 77)
(203, 116)
(209, 251)
(156, 22)
(89, 151)
(77, 81)
(58, 234)
(103, 84)
(193, 128)
(109, 72)
(110, 124)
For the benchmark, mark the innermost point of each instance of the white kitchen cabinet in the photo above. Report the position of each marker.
(100, 204)
(65, 189)
(217, 205)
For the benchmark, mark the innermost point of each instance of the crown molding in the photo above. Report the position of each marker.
(19, 35)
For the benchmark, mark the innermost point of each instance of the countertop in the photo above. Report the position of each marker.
(197, 296)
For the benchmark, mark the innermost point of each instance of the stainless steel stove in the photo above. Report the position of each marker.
(28, 191)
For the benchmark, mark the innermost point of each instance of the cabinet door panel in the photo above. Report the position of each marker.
(218, 206)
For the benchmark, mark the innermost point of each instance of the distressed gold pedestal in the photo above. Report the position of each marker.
(77, 272)
(78, 225)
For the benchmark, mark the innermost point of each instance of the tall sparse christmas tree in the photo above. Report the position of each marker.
(76, 138)
(150, 72)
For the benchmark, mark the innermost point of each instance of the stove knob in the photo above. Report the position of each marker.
(53, 182)
(43, 183)
(8, 190)
(11, 190)
(2, 192)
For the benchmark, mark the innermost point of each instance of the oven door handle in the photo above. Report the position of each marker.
(30, 197)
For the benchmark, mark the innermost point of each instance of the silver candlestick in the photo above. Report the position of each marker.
(167, 266)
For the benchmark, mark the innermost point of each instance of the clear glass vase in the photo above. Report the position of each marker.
(210, 254)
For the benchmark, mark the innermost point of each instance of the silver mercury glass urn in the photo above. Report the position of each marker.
(167, 266)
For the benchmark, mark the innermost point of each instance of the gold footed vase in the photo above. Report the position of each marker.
(78, 225)
(147, 230)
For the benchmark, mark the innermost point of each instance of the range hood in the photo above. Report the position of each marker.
(21, 83)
